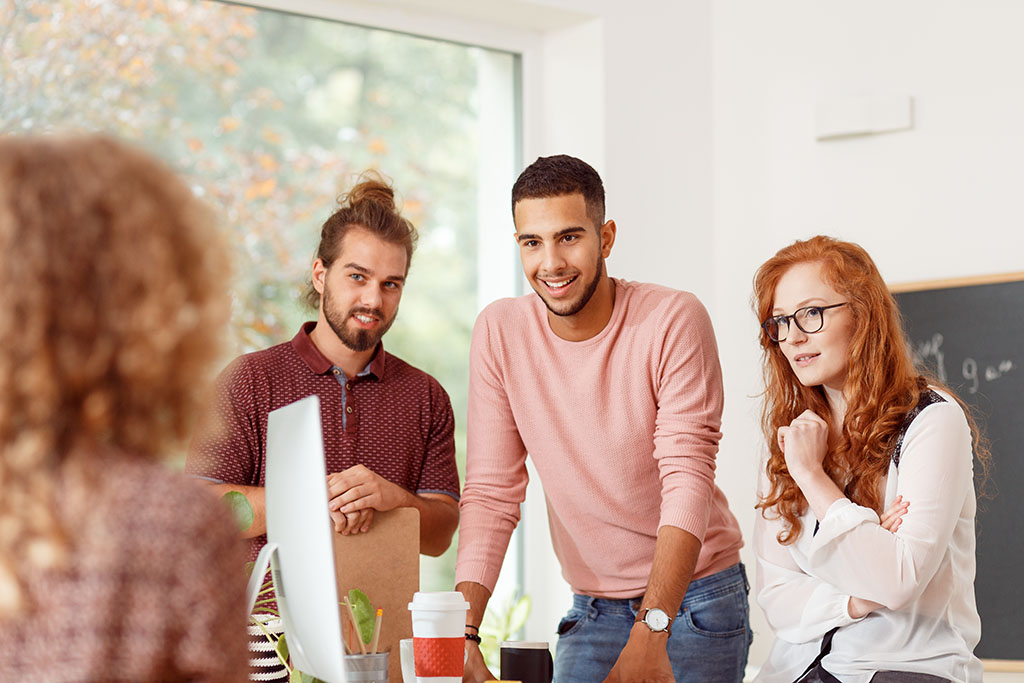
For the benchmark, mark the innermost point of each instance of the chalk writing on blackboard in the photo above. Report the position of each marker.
(932, 349)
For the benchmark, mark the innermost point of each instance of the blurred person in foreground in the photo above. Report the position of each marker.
(112, 567)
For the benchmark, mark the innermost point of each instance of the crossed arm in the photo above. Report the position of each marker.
(860, 562)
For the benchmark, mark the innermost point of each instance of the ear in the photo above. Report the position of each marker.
(607, 232)
(319, 275)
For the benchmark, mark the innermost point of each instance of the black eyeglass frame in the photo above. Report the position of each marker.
(792, 316)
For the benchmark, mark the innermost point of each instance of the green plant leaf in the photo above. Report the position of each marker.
(240, 508)
(297, 676)
(500, 623)
(282, 648)
(364, 614)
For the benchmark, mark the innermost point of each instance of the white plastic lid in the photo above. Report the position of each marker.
(525, 645)
(441, 601)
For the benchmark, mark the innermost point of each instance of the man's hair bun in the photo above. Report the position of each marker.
(371, 189)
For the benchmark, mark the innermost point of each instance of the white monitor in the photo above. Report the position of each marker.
(299, 546)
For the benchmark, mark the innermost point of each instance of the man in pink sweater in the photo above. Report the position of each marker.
(615, 391)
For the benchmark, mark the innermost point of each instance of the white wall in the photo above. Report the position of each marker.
(938, 201)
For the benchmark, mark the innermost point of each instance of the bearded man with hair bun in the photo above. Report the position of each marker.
(388, 427)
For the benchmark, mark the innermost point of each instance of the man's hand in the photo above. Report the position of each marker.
(476, 670)
(356, 492)
(644, 659)
(477, 596)
(352, 523)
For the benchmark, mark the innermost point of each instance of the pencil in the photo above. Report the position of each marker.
(376, 631)
(355, 624)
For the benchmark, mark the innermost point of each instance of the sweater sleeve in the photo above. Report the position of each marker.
(496, 475)
(689, 416)
(854, 553)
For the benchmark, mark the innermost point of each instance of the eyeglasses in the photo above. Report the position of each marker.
(809, 319)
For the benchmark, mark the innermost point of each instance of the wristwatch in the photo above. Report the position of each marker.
(655, 619)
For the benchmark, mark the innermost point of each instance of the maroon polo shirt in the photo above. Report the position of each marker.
(393, 418)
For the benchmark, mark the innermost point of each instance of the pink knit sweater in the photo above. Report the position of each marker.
(623, 429)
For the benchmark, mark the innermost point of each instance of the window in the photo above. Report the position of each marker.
(270, 116)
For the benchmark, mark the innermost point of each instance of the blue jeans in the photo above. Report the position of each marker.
(709, 642)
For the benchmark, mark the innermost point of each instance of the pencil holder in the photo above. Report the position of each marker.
(367, 668)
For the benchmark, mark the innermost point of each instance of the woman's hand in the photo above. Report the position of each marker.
(859, 607)
(804, 444)
(893, 517)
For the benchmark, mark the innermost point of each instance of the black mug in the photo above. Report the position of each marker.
(526, 662)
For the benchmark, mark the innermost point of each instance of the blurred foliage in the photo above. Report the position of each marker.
(502, 623)
(270, 116)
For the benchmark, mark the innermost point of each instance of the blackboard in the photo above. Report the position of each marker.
(970, 334)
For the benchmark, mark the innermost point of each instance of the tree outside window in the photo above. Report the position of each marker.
(270, 116)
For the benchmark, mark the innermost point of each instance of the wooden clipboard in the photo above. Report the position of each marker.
(384, 563)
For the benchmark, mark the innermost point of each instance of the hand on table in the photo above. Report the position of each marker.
(644, 659)
(476, 670)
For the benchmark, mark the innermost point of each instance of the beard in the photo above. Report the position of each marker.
(569, 308)
(351, 336)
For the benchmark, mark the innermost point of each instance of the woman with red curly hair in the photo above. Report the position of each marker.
(865, 536)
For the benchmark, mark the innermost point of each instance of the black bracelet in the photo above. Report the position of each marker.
(474, 637)
(475, 628)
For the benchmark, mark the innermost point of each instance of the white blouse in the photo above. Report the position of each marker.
(923, 574)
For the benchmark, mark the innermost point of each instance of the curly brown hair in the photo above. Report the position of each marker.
(114, 283)
(881, 385)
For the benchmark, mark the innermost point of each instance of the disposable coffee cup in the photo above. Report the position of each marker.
(405, 650)
(439, 636)
(529, 662)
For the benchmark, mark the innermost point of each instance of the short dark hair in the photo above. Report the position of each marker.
(560, 175)
(369, 205)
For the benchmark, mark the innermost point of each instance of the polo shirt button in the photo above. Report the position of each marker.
(336, 371)
(349, 386)
(348, 410)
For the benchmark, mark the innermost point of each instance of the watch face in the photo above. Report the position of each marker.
(656, 619)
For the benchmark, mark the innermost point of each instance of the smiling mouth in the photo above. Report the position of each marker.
(805, 358)
(556, 285)
(365, 319)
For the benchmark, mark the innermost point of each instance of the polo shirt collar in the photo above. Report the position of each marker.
(319, 364)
